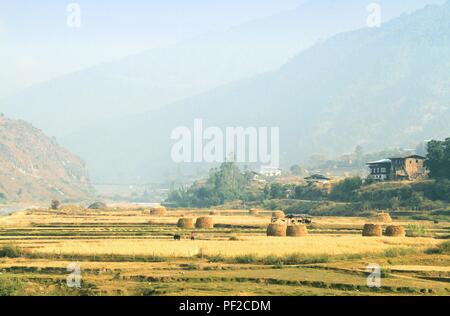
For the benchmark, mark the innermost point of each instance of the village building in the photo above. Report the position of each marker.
(317, 178)
(393, 169)
(270, 171)
(380, 169)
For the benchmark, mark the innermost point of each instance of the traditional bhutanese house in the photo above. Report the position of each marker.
(380, 169)
(406, 168)
(410, 167)
(317, 178)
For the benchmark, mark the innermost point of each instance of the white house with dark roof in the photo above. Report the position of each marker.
(398, 168)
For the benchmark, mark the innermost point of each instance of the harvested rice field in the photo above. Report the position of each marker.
(128, 251)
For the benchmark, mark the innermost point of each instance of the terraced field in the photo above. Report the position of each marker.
(126, 251)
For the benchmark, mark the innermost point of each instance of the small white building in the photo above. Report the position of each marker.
(270, 171)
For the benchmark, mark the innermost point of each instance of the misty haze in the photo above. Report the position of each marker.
(204, 136)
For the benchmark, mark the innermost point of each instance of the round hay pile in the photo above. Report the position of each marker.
(278, 214)
(204, 222)
(254, 211)
(395, 231)
(383, 218)
(372, 230)
(216, 213)
(158, 211)
(277, 230)
(185, 222)
(296, 231)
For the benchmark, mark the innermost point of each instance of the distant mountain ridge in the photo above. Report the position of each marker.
(375, 87)
(34, 167)
(159, 77)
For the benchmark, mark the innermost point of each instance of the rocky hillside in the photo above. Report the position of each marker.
(34, 167)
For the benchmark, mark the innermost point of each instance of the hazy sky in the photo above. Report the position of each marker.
(36, 44)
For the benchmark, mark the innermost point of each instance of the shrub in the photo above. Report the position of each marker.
(55, 204)
(385, 273)
(151, 291)
(246, 259)
(398, 252)
(97, 206)
(9, 287)
(10, 251)
(298, 258)
(309, 192)
(346, 190)
(443, 248)
(413, 230)
(441, 212)
(216, 258)
(190, 266)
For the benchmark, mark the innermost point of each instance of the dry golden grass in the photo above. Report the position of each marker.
(158, 246)
(131, 216)
(128, 232)
(48, 217)
(260, 245)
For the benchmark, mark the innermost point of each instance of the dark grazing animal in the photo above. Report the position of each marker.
(177, 237)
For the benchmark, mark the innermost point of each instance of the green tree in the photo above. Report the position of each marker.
(226, 183)
(277, 191)
(438, 159)
(346, 190)
(309, 192)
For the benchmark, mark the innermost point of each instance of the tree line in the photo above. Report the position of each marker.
(229, 183)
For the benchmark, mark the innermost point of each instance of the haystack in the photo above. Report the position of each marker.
(254, 211)
(372, 230)
(277, 230)
(185, 222)
(382, 218)
(204, 222)
(296, 231)
(395, 231)
(278, 214)
(158, 211)
(214, 213)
